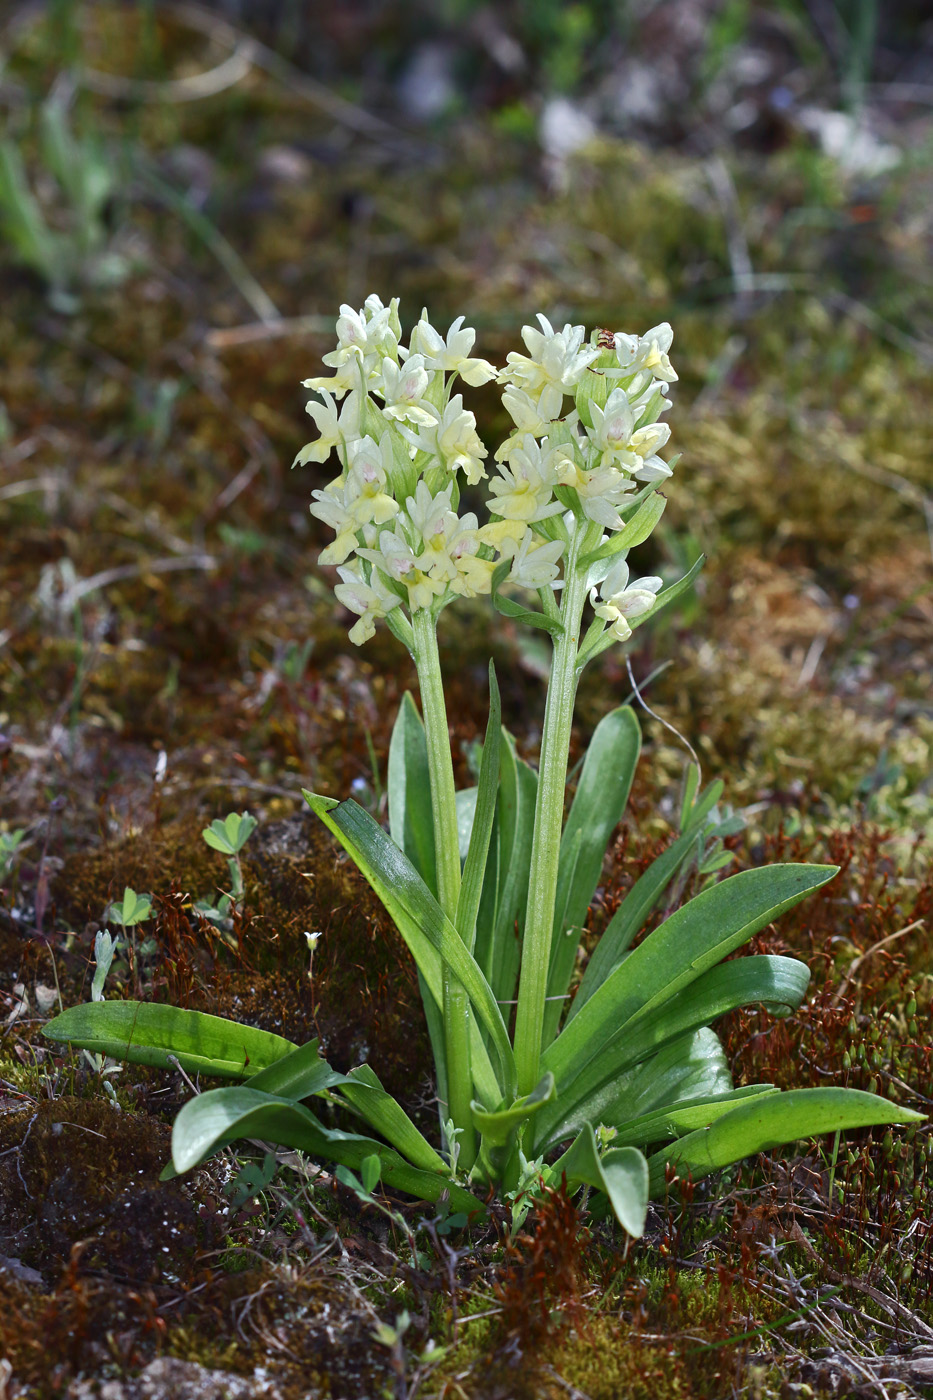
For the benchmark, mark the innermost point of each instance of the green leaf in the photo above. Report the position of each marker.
(622, 1174)
(104, 949)
(670, 594)
(633, 532)
(598, 806)
(23, 221)
(132, 909)
(508, 608)
(531, 618)
(594, 1092)
(497, 1125)
(641, 899)
(691, 784)
(498, 950)
(685, 1116)
(466, 813)
(770, 1121)
(690, 942)
(298, 1075)
(370, 1171)
(471, 885)
(426, 929)
(362, 1089)
(148, 1033)
(409, 791)
(222, 1116)
(691, 1065)
(230, 835)
(499, 1157)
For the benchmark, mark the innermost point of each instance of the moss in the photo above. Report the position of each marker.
(80, 1174)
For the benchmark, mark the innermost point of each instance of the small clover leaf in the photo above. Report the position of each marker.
(230, 835)
(132, 909)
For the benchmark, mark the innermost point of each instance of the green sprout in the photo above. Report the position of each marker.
(228, 836)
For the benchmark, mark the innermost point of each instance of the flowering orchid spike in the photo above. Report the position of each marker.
(566, 478)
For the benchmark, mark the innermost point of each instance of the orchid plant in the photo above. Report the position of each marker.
(490, 886)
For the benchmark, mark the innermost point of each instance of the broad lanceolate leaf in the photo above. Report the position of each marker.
(688, 1067)
(777, 982)
(222, 1116)
(148, 1033)
(598, 806)
(466, 814)
(471, 884)
(361, 1088)
(689, 943)
(685, 1117)
(411, 826)
(298, 1075)
(770, 1121)
(629, 919)
(430, 935)
(409, 791)
(621, 1173)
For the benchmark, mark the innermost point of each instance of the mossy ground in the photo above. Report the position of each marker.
(158, 583)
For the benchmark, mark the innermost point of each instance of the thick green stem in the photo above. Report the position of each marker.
(456, 1008)
(549, 818)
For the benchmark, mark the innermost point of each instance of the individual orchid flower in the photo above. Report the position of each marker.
(364, 339)
(335, 429)
(403, 388)
(647, 352)
(620, 602)
(415, 552)
(452, 440)
(525, 414)
(524, 487)
(535, 563)
(620, 443)
(350, 375)
(359, 499)
(600, 491)
(553, 367)
(451, 356)
(371, 600)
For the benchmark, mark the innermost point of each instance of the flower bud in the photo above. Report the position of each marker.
(595, 385)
